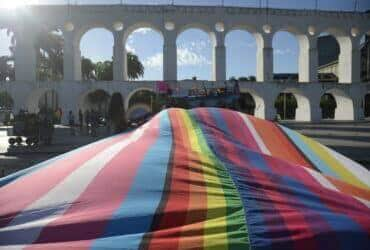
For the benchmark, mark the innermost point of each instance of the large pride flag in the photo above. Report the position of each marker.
(191, 179)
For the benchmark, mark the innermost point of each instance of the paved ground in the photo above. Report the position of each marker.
(350, 139)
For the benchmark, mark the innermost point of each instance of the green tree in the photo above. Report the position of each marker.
(135, 69)
(99, 98)
(6, 101)
(50, 55)
(87, 69)
(104, 71)
(6, 69)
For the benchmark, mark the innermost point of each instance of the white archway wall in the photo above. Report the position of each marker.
(345, 107)
(260, 110)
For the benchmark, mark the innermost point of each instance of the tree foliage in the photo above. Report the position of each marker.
(6, 69)
(6, 101)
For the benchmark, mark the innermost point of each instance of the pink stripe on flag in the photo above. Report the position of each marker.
(240, 131)
(89, 215)
(16, 196)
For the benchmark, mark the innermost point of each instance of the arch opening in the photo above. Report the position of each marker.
(285, 60)
(6, 107)
(328, 50)
(247, 104)
(253, 103)
(97, 60)
(239, 67)
(7, 49)
(365, 58)
(144, 62)
(286, 105)
(49, 55)
(43, 99)
(337, 105)
(95, 104)
(194, 56)
(141, 103)
(367, 105)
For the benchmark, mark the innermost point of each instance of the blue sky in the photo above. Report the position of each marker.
(194, 46)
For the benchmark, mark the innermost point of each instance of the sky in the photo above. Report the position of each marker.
(193, 45)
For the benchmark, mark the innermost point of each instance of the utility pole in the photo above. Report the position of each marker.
(316, 5)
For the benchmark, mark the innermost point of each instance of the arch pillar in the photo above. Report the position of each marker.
(307, 59)
(264, 57)
(119, 58)
(25, 55)
(219, 57)
(169, 56)
(71, 57)
(349, 59)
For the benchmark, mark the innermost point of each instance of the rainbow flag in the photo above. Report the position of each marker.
(198, 179)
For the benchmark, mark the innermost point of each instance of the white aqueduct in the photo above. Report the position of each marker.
(170, 21)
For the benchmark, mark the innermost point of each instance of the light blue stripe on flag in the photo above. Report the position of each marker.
(134, 217)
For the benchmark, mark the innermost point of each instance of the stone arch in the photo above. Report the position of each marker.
(42, 97)
(49, 60)
(286, 32)
(344, 110)
(140, 25)
(303, 109)
(6, 106)
(81, 33)
(259, 110)
(85, 105)
(203, 27)
(138, 110)
(367, 105)
(345, 60)
(132, 93)
(250, 31)
(8, 39)
(156, 51)
(183, 54)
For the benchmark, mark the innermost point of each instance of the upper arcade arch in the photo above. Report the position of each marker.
(349, 54)
(241, 49)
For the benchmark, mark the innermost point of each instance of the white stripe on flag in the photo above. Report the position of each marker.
(25, 228)
(327, 184)
(255, 134)
(356, 169)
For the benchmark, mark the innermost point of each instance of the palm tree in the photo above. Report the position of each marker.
(50, 55)
(135, 69)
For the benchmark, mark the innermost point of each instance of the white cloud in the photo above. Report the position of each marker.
(283, 52)
(129, 47)
(188, 57)
(142, 31)
(185, 57)
(154, 62)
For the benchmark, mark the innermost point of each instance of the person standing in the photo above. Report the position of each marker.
(80, 119)
(71, 119)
